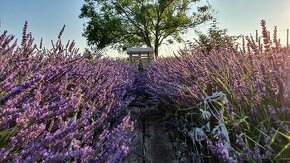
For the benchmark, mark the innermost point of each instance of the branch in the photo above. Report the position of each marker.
(144, 31)
(129, 18)
(192, 25)
(162, 11)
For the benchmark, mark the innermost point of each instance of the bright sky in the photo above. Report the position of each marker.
(46, 18)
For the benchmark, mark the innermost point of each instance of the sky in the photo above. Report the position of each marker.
(47, 17)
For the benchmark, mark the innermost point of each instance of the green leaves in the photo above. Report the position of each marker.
(6, 135)
(286, 145)
(102, 30)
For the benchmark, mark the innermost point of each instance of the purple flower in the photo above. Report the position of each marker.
(240, 141)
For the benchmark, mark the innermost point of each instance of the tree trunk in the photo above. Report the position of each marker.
(156, 42)
(156, 51)
(156, 46)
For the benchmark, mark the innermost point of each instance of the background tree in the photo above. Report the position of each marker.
(93, 52)
(125, 23)
(216, 38)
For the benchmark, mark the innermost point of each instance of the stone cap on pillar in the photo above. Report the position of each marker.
(140, 50)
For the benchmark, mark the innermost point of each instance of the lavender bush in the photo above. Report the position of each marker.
(57, 106)
(255, 79)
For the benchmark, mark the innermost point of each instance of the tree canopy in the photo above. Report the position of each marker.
(127, 23)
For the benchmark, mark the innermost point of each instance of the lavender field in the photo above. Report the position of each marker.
(229, 105)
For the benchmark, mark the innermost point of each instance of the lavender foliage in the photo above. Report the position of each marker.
(57, 106)
(256, 83)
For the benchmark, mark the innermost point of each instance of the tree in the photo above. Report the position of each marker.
(124, 23)
(216, 38)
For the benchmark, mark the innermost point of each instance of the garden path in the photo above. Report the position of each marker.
(152, 143)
